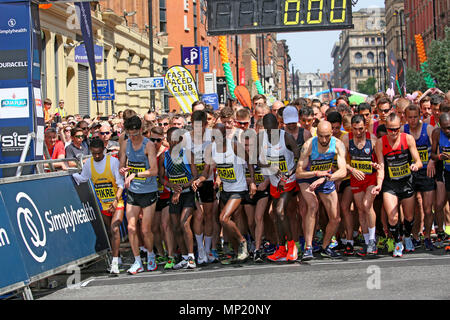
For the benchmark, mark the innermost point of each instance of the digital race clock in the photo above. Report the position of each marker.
(260, 16)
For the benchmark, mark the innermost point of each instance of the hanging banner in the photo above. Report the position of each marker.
(242, 76)
(181, 85)
(392, 65)
(401, 76)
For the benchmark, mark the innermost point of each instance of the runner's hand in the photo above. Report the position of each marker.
(177, 188)
(376, 190)
(360, 176)
(322, 174)
(113, 206)
(313, 186)
(195, 185)
(444, 156)
(128, 180)
(431, 169)
(414, 167)
(123, 171)
(375, 165)
(253, 189)
(281, 185)
(176, 197)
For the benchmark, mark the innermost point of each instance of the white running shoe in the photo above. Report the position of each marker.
(136, 268)
(114, 269)
(398, 251)
(191, 263)
(202, 258)
(181, 265)
(409, 246)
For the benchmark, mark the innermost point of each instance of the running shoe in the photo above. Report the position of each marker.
(439, 243)
(372, 248)
(228, 260)
(301, 241)
(428, 244)
(319, 236)
(279, 255)
(202, 258)
(215, 254)
(191, 263)
(257, 257)
(114, 269)
(333, 243)
(390, 245)
(349, 250)
(242, 251)
(299, 247)
(409, 246)
(151, 264)
(292, 253)
(136, 268)
(340, 245)
(316, 247)
(447, 249)
(416, 243)
(447, 230)
(330, 253)
(381, 242)
(269, 248)
(181, 265)
(308, 254)
(359, 240)
(398, 251)
(169, 264)
(143, 255)
(363, 251)
(160, 260)
(211, 258)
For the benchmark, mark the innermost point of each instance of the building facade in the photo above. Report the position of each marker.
(395, 28)
(361, 53)
(428, 18)
(125, 51)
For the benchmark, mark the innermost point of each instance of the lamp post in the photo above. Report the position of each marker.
(152, 67)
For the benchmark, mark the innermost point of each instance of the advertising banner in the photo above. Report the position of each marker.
(82, 57)
(222, 92)
(12, 268)
(181, 85)
(205, 59)
(55, 222)
(211, 99)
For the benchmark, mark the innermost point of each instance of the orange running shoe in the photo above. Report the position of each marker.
(292, 253)
(279, 255)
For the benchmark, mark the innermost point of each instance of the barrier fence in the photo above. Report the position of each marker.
(47, 223)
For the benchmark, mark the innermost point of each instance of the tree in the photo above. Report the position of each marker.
(439, 61)
(415, 81)
(368, 86)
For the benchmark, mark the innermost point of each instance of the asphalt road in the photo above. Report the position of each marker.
(420, 275)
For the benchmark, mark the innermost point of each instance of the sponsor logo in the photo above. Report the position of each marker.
(13, 64)
(34, 236)
(12, 22)
(14, 102)
(12, 140)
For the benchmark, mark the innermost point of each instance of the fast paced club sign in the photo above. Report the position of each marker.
(260, 16)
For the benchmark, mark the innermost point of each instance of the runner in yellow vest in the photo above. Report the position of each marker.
(103, 170)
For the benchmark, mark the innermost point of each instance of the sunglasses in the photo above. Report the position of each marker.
(79, 137)
(155, 140)
(105, 133)
(163, 124)
(385, 110)
(84, 128)
(68, 130)
(133, 134)
(243, 123)
(393, 129)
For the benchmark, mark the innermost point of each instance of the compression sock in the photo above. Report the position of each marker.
(408, 227)
(395, 231)
(366, 238)
(208, 242)
(199, 238)
(372, 233)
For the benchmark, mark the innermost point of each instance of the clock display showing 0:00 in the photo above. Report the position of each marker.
(314, 12)
(259, 16)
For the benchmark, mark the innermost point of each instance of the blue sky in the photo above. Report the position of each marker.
(311, 51)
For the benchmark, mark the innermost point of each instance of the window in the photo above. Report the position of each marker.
(358, 57)
(367, 40)
(370, 58)
(379, 40)
(373, 41)
(162, 16)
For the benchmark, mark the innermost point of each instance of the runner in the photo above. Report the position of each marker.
(103, 170)
(440, 152)
(316, 182)
(174, 163)
(365, 185)
(394, 152)
(228, 157)
(423, 180)
(278, 158)
(142, 192)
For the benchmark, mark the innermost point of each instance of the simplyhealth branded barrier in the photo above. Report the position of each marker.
(47, 224)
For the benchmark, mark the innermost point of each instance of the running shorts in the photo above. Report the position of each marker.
(361, 186)
(142, 200)
(186, 200)
(422, 183)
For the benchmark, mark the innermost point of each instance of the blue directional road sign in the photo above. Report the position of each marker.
(191, 56)
(105, 90)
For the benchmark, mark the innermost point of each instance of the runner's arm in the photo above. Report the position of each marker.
(417, 163)
(380, 158)
(341, 173)
(302, 164)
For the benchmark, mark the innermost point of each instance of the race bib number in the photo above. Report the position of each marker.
(179, 180)
(321, 165)
(423, 153)
(259, 178)
(105, 192)
(160, 186)
(280, 164)
(136, 167)
(200, 168)
(227, 174)
(363, 166)
(399, 172)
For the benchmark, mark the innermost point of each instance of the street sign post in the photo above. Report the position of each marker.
(191, 56)
(105, 90)
(148, 83)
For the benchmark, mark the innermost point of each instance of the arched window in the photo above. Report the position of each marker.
(358, 57)
(370, 58)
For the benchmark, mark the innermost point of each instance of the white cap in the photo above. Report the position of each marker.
(290, 115)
